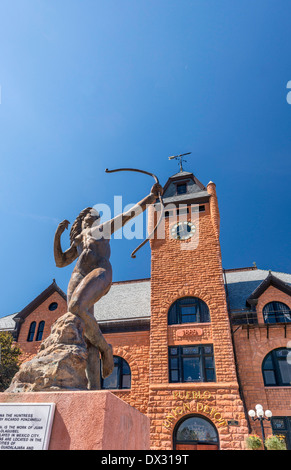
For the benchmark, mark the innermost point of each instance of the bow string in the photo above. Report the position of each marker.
(133, 254)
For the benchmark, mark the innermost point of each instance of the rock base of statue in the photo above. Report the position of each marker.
(60, 363)
(86, 420)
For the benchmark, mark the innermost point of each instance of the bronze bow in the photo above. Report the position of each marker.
(160, 199)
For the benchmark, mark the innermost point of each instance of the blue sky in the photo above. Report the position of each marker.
(87, 85)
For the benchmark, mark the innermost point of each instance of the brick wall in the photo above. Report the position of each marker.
(134, 348)
(252, 345)
(41, 313)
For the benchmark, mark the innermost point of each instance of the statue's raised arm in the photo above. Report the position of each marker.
(120, 220)
(63, 259)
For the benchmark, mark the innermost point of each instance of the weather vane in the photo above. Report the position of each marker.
(181, 159)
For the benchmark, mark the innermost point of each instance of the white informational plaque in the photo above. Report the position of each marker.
(25, 426)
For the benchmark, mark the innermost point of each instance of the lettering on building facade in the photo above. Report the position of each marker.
(189, 333)
(196, 405)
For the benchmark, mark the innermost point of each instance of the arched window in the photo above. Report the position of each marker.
(188, 310)
(120, 377)
(31, 331)
(276, 312)
(195, 433)
(40, 331)
(277, 367)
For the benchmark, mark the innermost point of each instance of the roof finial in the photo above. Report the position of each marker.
(181, 159)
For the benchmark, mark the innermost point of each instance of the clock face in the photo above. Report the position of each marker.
(183, 230)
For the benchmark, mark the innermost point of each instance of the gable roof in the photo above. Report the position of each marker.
(39, 300)
(241, 283)
(270, 280)
(127, 301)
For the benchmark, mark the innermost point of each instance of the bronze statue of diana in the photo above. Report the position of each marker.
(92, 276)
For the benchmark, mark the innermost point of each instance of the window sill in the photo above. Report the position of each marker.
(271, 387)
(187, 325)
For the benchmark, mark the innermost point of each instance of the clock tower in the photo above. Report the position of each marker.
(192, 364)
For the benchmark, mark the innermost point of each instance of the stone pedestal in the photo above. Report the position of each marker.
(90, 420)
(60, 363)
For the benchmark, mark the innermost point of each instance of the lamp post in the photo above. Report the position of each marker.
(259, 415)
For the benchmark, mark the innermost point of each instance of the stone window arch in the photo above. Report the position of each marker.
(195, 432)
(188, 310)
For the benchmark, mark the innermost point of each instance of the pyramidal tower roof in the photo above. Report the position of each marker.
(184, 187)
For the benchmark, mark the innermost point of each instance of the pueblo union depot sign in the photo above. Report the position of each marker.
(196, 405)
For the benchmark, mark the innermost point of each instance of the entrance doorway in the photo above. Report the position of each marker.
(194, 432)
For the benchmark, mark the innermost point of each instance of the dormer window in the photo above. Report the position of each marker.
(276, 312)
(181, 188)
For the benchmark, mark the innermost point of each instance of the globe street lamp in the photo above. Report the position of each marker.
(259, 415)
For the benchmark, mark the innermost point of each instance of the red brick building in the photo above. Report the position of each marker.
(195, 346)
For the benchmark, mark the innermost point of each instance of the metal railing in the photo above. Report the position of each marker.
(243, 317)
(250, 317)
